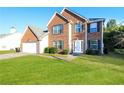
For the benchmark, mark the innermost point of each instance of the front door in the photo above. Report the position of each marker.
(78, 46)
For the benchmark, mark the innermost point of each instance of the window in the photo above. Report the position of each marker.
(93, 27)
(78, 27)
(58, 44)
(94, 44)
(57, 29)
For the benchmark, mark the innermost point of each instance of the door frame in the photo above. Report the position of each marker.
(81, 45)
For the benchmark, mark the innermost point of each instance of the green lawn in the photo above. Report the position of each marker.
(6, 51)
(85, 69)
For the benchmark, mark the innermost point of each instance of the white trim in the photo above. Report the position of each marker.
(82, 50)
(69, 40)
(54, 16)
(85, 26)
(96, 21)
(74, 13)
(102, 45)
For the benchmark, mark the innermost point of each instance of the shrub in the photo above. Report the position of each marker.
(89, 51)
(65, 51)
(53, 50)
(105, 51)
(119, 51)
(46, 50)
(92, 52)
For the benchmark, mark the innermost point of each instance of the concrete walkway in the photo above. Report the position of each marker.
(11, 55)
(68, 58)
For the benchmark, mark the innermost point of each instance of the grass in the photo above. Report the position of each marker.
(56, 55)
(86, 69)
(7, 51)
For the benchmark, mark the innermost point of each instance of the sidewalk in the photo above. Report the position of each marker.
(12, 55)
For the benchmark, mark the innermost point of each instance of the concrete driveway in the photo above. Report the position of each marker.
(12, 55)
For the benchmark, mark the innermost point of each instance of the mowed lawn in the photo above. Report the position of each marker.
(86, 69)
(7, 51)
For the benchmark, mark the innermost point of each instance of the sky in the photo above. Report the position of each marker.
(20, 17)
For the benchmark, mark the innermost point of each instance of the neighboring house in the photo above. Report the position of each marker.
(72, 31)
(34, 40)
(11, 40)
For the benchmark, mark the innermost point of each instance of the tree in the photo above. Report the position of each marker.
(112, 25)
(114, 35)
(119, 38)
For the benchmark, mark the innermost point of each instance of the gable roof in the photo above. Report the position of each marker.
(82, 17)
(38, 32)
(56, 13)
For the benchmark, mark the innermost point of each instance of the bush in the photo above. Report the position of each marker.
(53, 50)
(105, 51)
(119, 51)
(88, 51)
(46, 50)
(65, 51)
(92, 52)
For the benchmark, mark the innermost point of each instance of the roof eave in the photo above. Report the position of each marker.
(74, 13)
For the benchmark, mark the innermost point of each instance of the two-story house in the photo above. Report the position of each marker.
(69, 30)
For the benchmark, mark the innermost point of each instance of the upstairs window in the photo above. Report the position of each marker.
(58, 44)
(58, 29)
(94, 44)
(93, 27)
(78, 27)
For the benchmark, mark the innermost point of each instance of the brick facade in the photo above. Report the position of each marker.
(63, 36)
(73, 19)
(29, 36)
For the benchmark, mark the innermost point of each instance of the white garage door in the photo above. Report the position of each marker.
(29, 47)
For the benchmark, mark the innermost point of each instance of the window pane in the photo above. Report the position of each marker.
(93, 27)
(57, 29)
(58, 44)
(78, 27)
(94, 44)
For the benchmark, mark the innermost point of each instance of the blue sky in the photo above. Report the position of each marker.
(39, 16)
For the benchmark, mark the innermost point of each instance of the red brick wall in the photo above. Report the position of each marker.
(28, 36)
(63, 36)
(75, 19)
(94, 36)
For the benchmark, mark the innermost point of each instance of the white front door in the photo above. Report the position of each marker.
(29, 48)
(78, 46)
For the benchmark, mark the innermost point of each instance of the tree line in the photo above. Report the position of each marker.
(113, 35)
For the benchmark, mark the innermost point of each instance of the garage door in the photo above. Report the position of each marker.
(29, 47)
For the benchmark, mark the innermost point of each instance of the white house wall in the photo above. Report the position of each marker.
(43, 44)
(10, 42)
